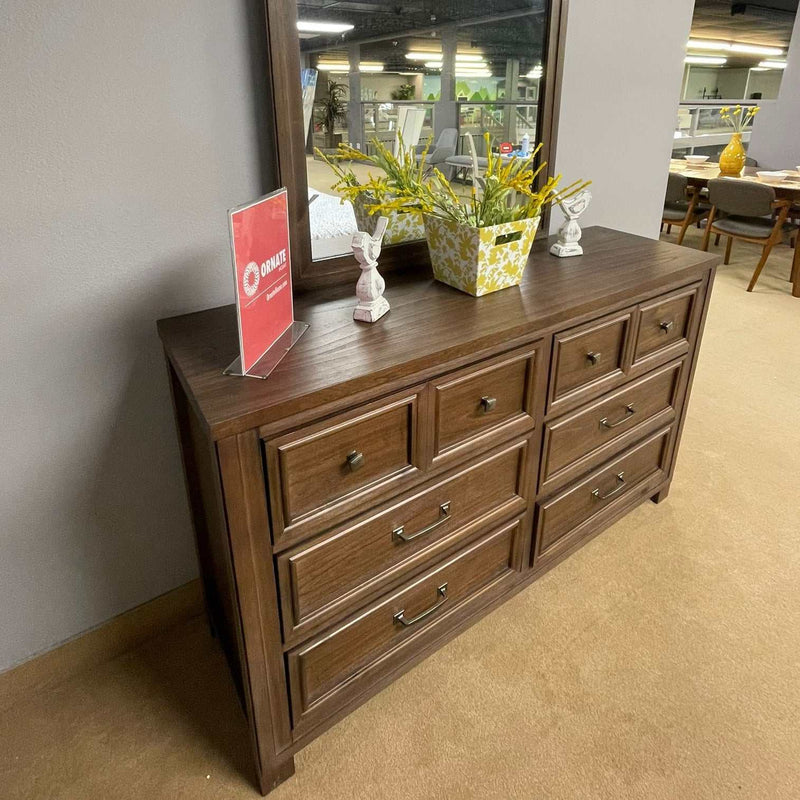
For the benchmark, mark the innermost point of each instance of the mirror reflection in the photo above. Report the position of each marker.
(426, 72)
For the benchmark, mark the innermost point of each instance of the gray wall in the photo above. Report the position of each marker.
(622, 83)
(127, 129)
(774, 142)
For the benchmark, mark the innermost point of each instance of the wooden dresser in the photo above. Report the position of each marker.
(389, 484)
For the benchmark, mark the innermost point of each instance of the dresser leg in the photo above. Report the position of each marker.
(662, 495)
(275, 774)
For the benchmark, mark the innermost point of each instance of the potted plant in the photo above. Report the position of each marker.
(478, 244)
(399, 175)
(405, 91)
(330, 110)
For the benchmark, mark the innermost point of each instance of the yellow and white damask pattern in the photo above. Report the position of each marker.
(401, 227)
(471, 259)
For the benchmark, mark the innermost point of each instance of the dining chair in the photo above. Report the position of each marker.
(470, 164)
(744, 210)
(444, 148)
(682, 205)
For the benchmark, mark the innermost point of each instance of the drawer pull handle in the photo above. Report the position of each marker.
(629, 410)
(620, 480)
(441, 593)
(666, 326)
(355, 460)
(488, 403)
(444, 515)
(593, 358)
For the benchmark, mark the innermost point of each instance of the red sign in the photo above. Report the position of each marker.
(262, 270)
(506, 147)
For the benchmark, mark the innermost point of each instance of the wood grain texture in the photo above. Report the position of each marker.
(590, 356)
(266, 703)
(496, 395)
(327, 575)
(581, 439)
(325, 671)
(309, 469)
(570, 511)
(341, 361)
(664, 323)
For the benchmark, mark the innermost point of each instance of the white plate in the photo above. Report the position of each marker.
(771, 177)
(695, 161)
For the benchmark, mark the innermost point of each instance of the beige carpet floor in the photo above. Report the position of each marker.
(661, 661)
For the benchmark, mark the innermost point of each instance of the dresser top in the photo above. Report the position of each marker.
(429, 324)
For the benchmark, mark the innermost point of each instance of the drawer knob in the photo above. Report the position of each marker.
(629, 411)
(355, 460)
(620, 481)
(444, 514)
(488, 403)
(593, 358)
(400, 616)
(666, 326)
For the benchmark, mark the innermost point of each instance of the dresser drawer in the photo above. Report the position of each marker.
(566, 517)
(595, 432)
(342, 663)
(321, 578)
(665, 323)
(346, 458)
(479, 401)
(589, 357)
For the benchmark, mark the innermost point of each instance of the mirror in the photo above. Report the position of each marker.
(364, 73)
(433, 71)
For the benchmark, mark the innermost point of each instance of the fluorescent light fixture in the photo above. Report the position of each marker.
(759, 69)
(536, 72)
(707, 44)
(323, 27)
(709, 61)
(343, 66)
(433, 64)
(476, 73)
(755, 49)
(733, 47)
(432, 55)
(772, 64)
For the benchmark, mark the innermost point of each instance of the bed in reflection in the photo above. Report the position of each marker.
(333, 224)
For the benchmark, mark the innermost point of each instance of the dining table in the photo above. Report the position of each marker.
(786, 189)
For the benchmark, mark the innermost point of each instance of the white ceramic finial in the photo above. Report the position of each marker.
(372, 305)
(570, 232)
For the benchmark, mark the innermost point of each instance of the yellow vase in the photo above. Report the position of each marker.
(733, 157)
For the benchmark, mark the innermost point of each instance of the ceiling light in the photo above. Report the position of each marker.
(431, 55)
(759, 69)
(707, 44)
(343, 66)
(709, 61)
(323, 27)
(733, 47)
(772, 64)
(756, 49)
(536, 72)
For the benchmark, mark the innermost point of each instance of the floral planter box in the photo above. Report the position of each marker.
(479, 260)
(401, 227)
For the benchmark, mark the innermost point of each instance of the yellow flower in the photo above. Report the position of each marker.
(724, 110)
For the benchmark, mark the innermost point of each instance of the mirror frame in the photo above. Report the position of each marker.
(288, 150)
